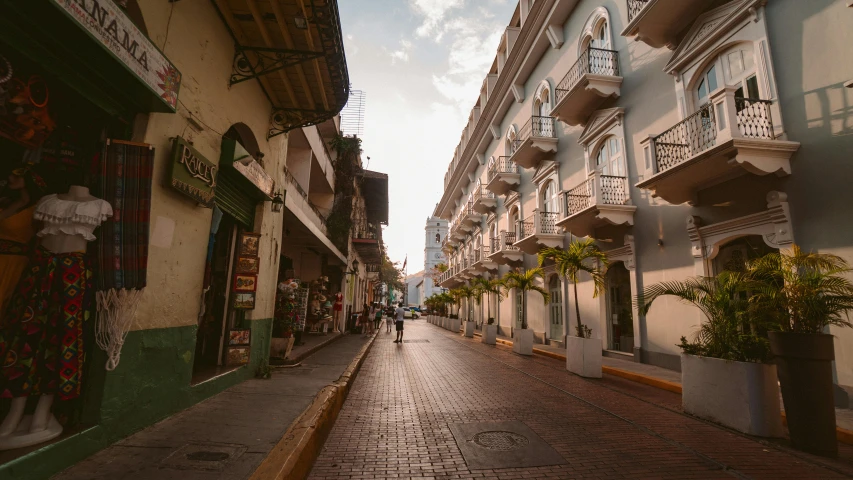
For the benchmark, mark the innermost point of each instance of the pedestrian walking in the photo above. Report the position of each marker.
(366, 321)
(399, 313)
(389, 321)
(377, 315)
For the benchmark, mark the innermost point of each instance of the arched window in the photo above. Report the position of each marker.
(608, 160)
(493, 235)
(601, 36)
(548, 199)
(437, 238)
(596, 35)
(512, 219)
(510, 141)
(542, 100)
(734, 67)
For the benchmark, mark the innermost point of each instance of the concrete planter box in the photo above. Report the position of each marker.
(455, 325)
(739, 395)
(444, 322)
(583, 356)
(522, 341)
(490, 334)
(469, 329)
(626, 344)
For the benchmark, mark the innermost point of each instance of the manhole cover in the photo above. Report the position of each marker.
(418, 340)
(205, 456)
(501, 441)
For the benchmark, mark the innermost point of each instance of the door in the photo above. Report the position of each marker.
(556, 308)
(609, 159)
(620, 322)
(519, 307)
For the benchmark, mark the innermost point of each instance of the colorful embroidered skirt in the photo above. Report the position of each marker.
(41, 341)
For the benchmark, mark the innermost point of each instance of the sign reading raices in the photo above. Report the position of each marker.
(105, 21)
(192, 174)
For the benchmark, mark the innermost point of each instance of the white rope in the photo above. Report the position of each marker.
(116, 313)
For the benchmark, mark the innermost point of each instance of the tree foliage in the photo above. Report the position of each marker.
(582, 256)
(526, 282)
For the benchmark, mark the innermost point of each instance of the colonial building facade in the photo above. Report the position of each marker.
(681, 135)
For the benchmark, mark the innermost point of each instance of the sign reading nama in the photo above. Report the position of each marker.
(108, 24)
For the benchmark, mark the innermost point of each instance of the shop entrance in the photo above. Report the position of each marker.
(219, 317)
(620, 322)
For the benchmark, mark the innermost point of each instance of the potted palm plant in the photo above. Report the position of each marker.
(802, 294)
(726, 374)
(583, 353)
(490, 287)
(457, 294)
(522, 342)
(467, 293)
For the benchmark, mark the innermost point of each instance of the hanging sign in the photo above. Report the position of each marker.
(255, 174)
(193, 174)
(109, 25)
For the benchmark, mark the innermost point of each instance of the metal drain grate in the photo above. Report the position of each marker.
(500, 441)
(417, 340)
(206, 456)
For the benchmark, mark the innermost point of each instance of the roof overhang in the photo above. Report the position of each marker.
(295, 50)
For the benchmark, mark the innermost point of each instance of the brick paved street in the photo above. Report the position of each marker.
(397, 420)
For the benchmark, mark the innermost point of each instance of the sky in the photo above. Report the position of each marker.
(421, 64)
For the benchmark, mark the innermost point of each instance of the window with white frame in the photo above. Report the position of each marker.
(609, 159)
(512, 219)
(734, 67)
(509, 143)
(548, 199)
(542, 100)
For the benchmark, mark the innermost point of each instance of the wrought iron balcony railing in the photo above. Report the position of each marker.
(371, 268)
(537, 126)
(502, 165)
(634, 7)
(698, 132)
(613, 191)
(596, 61)
(539, 223)
(480, 193)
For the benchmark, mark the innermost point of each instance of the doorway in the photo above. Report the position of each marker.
(620, 320)
(219, 317)
(556, 308)
(519, 307)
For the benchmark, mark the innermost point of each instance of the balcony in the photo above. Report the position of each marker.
(366, 241)
(504, 252)
(728, 137)
(372, 270)
(504, 176)
(483, 201)
(539, 230)
(469, 217)
(658, 22)
(481, 261)
(535, 141)
(600, 200)
(592, 79)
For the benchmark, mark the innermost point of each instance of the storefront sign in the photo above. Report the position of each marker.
(254, 173)
(192, 174)
(109, 25)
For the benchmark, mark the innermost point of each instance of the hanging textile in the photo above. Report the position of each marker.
(124, 180)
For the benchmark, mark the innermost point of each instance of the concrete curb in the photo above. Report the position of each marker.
(294, 455)
(843, 435)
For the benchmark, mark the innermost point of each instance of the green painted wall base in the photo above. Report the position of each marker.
(151, 383)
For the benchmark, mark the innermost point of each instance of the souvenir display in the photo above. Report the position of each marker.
(237, 356)
(244, 301)
(24, 115)
(248, 265)
(245, 283)
(239, 337)
(249, 244)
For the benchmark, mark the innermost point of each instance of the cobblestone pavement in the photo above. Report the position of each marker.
(397, 420)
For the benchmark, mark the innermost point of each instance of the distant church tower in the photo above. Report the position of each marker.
(436, 231)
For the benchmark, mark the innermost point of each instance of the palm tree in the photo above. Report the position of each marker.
(456, 296)
(467, 293)
(525, 281)
(581, 256)
(802, 292)
(487, 287)
(731, 331)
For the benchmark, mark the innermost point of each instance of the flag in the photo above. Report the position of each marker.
(405, 262)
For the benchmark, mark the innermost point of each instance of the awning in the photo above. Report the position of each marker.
(294, 48)
(255, 181)
(375, 191)
(94, 48)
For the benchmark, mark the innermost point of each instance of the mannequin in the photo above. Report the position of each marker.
(338, 307)
(49, 308)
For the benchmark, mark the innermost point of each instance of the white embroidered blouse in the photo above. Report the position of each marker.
(71, 217)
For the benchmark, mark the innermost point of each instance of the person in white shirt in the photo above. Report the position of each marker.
(399, 314)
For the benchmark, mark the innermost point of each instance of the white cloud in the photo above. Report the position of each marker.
(433, 12)
(401, 53)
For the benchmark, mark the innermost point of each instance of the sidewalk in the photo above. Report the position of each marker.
(652, 375)
(228, 435)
